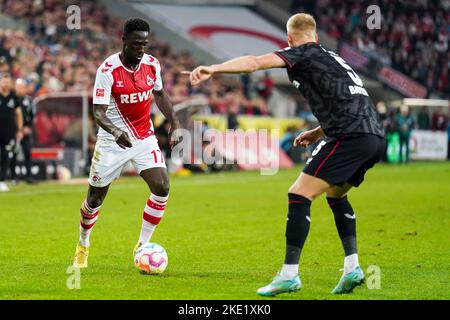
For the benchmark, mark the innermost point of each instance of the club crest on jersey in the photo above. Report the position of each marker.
(150, 81)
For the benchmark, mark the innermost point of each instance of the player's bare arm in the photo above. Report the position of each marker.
(19, 123)
(102, 120)
(309, 137)
(244, 64)
(165, 106)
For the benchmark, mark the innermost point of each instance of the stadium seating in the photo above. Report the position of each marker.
(55, 59)
(413, 39)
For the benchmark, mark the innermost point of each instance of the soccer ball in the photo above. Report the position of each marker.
(151, 258)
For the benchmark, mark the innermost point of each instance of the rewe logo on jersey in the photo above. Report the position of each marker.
(135, 97)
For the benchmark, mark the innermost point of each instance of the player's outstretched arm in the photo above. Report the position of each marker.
(244, 64)
(164, 104)
(102, 120)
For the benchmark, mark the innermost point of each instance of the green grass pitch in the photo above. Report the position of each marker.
(224, 234)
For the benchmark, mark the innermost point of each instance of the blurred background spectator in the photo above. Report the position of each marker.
(439, 121)
(53, 58)
(385, 121)
(423, 119)
(404, 124)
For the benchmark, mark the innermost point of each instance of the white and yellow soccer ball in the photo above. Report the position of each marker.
(151, 258)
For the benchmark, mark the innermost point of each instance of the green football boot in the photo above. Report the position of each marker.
(279, 285)
(349, 281)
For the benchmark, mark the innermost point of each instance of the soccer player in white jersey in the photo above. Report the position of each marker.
(122, 94)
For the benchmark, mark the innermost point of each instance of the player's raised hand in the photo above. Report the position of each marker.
(199, 74)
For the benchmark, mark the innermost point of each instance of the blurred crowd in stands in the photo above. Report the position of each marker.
(52, 58)
(413, 39)
(48, 55)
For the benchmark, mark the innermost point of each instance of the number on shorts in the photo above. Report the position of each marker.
(155, 157)
(317, 149)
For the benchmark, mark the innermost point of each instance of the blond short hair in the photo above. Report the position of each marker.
(301, 24)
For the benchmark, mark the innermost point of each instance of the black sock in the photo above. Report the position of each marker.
(297, 227)
(344, 218)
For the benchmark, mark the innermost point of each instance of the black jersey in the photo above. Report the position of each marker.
(28, 110)
(335, 92)
(8, 105)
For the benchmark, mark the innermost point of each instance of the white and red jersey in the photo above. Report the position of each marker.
(128, 95)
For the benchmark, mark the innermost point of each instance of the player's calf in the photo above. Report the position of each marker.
(297, 228)
(151, 217)
(88, 219)
(345, 220)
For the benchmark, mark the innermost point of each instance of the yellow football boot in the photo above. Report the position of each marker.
(136, 247)
(81, 256)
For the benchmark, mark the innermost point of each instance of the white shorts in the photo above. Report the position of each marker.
(109, 159)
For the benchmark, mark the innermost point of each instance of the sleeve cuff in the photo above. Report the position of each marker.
(284, 58)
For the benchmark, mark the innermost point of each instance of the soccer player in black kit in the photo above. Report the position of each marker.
(11, 124)
(28, 113)
(353, 142)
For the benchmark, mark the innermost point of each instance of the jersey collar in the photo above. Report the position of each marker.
(129, 70)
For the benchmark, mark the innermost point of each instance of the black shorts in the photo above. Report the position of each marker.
(345, 159)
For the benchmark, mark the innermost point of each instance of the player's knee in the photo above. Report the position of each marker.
(94, 201)
(165, 189)
(304, 193)
(336, 195)
(338, 192)
(96, 195)
(162, 188)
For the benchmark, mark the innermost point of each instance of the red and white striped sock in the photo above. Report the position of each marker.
(153, 213)
(88, 218)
